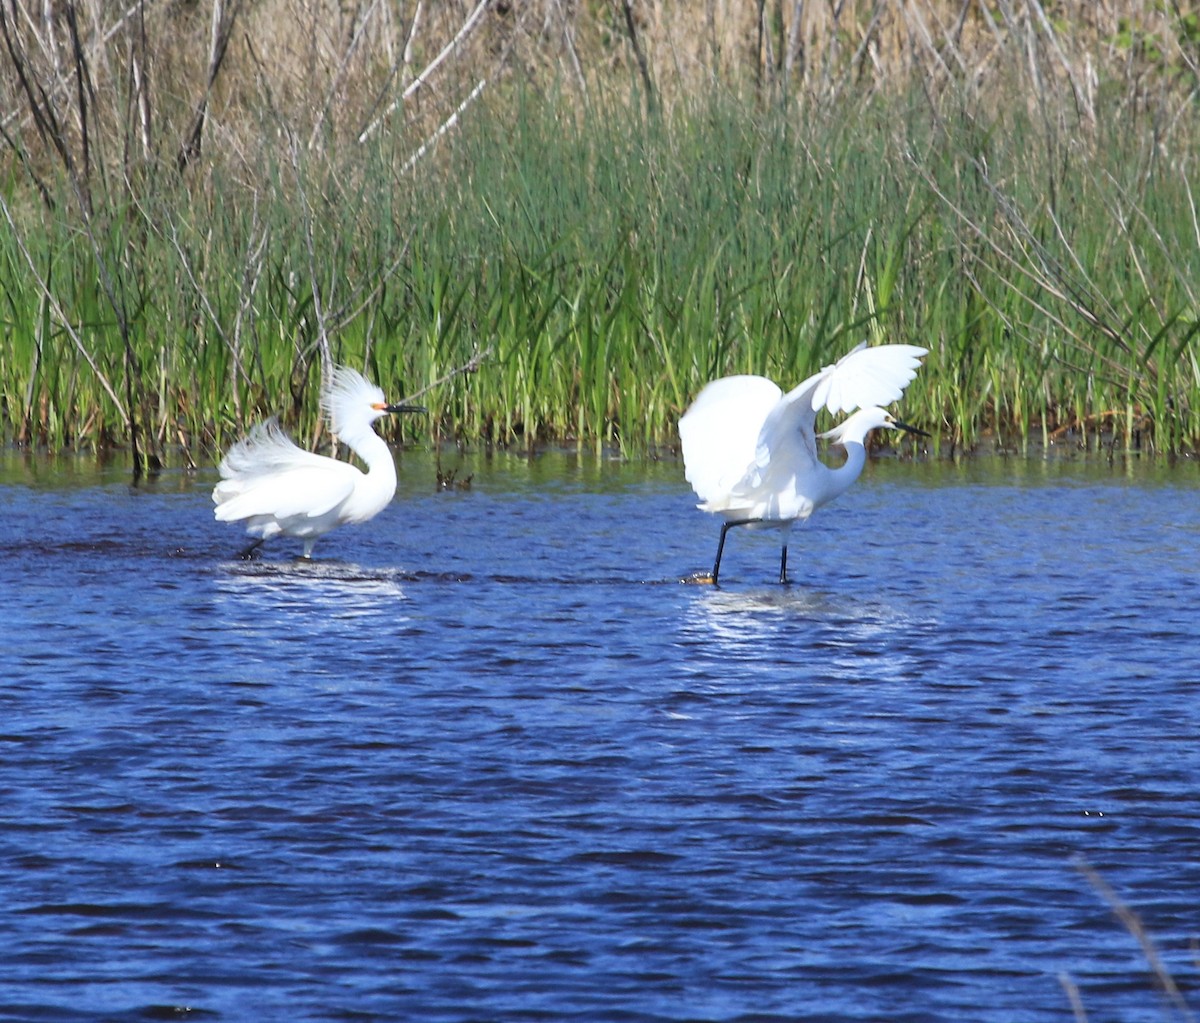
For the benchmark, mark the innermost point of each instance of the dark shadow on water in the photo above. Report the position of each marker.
(343, 571)
(314, 570)
(758, 597)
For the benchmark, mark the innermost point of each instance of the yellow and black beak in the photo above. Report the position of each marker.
(395, 409)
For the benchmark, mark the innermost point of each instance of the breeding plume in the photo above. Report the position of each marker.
(750, 453)
(277, 488)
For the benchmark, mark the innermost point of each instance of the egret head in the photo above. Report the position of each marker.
(857, 426)
(351, 401)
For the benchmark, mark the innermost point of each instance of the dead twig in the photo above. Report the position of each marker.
(422, 79)
(1133, 924)
(222, 29)
(470, 366)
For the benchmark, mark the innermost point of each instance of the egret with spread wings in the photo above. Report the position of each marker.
(750, 451)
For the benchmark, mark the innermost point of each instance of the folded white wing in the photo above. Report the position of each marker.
(266, 474)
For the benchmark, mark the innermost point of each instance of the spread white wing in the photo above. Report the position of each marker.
(863, 377)
(859, 379)
(743, 439)
(719, 433)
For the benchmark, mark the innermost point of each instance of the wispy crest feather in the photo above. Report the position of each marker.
(346, 389)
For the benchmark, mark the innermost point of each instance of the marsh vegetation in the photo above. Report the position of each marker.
(598, 207)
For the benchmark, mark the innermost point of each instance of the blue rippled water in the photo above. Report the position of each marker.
(488, 759)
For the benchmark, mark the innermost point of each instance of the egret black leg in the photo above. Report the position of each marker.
(725, 528)
(251, 552)
(783, 567)
(720, 547)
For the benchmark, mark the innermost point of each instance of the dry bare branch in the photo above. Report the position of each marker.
(223, 20)
(1133, 924)
(422, 79)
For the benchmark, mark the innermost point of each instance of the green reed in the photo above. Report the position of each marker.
(613, 262)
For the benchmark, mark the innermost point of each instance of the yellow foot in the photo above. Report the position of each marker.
(704, 578)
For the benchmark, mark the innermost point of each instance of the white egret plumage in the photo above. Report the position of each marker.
(750, 451)
(279, 489)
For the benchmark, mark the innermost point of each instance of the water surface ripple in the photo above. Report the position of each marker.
(488, 759)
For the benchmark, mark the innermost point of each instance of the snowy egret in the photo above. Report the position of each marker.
(277, 488)
(750, 453)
